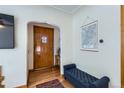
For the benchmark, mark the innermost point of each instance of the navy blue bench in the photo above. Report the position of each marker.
(81, 79)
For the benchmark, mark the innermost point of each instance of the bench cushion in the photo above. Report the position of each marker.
(81, 76)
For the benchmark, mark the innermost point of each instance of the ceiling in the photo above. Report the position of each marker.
(66, 8)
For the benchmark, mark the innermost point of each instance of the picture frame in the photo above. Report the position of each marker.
(6, 31)
(89, 36)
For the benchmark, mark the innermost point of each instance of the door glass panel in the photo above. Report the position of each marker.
(44, 39)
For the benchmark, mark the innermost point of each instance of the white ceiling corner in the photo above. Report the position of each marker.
(70, 9)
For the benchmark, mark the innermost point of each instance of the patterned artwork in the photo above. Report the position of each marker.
(89, 36)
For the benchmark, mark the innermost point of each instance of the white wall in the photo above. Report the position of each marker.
(107, 60)
(104, 62)
(31, 44)
(14, 61)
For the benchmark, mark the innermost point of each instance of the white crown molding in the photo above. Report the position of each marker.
(66, 11)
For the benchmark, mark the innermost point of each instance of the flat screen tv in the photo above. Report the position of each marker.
(6, 31)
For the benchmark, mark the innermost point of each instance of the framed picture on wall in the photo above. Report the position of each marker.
(89, 36)
(6, 31)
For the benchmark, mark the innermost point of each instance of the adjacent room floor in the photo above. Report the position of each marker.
(41, 76)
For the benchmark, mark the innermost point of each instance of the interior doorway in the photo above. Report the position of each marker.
(43, 50)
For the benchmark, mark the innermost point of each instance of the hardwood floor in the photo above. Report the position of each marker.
(41, 76)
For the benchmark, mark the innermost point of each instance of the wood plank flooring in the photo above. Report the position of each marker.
(41, 76)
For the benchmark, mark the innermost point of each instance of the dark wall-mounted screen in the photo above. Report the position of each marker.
(6, 31)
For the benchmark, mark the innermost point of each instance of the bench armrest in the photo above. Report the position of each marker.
(101, 83)
(69, 66)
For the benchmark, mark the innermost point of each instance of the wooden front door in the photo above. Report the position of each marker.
(43, 47)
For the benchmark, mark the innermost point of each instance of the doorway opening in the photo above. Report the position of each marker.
(43, 52)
